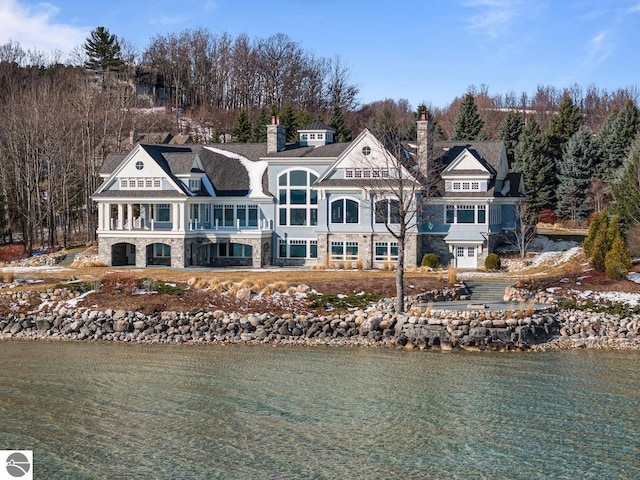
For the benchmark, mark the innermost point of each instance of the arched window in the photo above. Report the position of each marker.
(344, 210)
(298, 203)
(388, 211)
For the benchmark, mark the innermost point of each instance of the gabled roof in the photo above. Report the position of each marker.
(488, 152)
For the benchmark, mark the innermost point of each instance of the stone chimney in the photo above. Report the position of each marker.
(425, 142)
(276, 136)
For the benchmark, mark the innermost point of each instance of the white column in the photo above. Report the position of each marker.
(120, 216)
(100, 216)
(176, 217)
(130, 215)
(183, 217)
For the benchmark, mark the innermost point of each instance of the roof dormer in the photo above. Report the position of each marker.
(315, 134)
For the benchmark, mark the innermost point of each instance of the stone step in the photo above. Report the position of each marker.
(487, 291)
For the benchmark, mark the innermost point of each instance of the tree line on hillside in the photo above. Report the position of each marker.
(575, 147)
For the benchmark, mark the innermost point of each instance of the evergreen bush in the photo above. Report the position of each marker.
(492, 262)
(431, 260)
(617, 261)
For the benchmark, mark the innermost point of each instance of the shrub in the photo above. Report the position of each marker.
(618, 261)
(11, 253)
(342, 301)
(547, 215)
(431, 260)
(492, 262)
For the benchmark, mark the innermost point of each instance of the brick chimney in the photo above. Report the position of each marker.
(276, 136)
(425, 142)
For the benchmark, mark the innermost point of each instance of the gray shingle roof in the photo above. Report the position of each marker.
(316, 125)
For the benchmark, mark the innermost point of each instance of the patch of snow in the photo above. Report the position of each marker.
(631, 299)
(634, 277)
(544, 244)
(74, 301)
(254, 169)
(44, 269)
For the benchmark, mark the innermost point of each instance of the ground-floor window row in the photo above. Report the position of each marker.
(339, 250)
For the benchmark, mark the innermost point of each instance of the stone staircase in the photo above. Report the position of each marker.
(487, 291)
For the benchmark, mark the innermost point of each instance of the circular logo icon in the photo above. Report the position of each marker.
(17, 465)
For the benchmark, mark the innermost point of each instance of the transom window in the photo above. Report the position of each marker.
(344, 210)
(344, 251)
(297, 248)
(388, 211)
(298, 202)
(366, 173)
(463, 186)
(147, 183)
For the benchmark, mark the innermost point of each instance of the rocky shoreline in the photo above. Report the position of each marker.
(420, 327)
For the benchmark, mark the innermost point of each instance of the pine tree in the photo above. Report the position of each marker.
(575, 173)
(598, 223)
(103, 51)
(510, 131)
(343, 134)
(439, 135)
(563, 126)
(626, 190)
(241, 132)
(288, 119)
(302, 119)
(468, 124)
(259, 130)
(533, 161)
(616, 136)
(618, 260)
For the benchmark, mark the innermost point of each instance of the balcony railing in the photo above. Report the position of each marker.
(140, 224)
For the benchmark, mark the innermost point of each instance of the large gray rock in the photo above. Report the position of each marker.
(122, 324)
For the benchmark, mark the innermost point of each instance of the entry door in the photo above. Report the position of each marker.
(466, 257)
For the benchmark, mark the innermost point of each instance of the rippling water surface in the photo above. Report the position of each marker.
(128, 411)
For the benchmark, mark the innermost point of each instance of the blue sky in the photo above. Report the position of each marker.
(423, 50)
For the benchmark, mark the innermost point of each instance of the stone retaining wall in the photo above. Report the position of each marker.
(378, 325)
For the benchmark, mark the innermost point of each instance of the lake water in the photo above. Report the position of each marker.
(111, 411)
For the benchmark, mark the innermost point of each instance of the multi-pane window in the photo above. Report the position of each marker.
(388, 211)
(163, 212)
(464, 186)
(146, 183)
(344, 210)
(194, 184)
(298, 248)
(161, 250)
(341, 251)
(298, 202)
(366, 173)
(230, 249)
(386, 251)
(231, 215)
(466, 214)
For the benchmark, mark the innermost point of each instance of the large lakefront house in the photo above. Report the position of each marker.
(314, 202)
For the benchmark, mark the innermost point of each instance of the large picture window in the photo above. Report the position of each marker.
(344, 210)
(341, 251)
(298, 202)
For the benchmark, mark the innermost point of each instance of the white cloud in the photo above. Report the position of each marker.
(600, 47)
(35, 28)
(493, 16)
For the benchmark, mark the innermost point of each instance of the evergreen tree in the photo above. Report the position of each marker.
(616, 136)
(103, 51)
(468, 124)
(302, 119)
(259, 130)
(598, 223)
(618, 260)
(439, 135)
(510, 131)
(533, 161)
(575, 174)
(562, 127)
(626, 190)
(288, 119)
(343, 134)
(241, 132)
